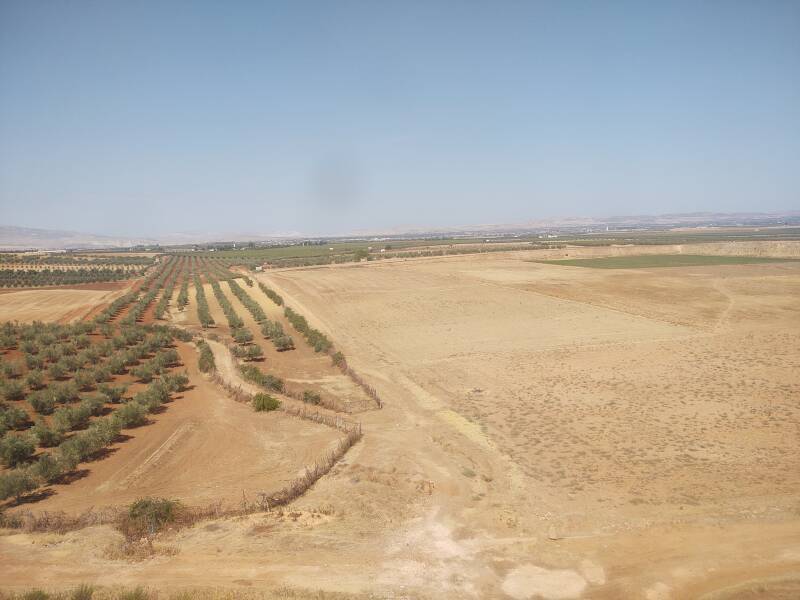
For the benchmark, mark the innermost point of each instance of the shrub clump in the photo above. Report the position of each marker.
(310, 397)
(264, 403)
(147, 516)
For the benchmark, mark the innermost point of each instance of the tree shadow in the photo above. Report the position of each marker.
(73, 475)
(34, 497)
(101, 454)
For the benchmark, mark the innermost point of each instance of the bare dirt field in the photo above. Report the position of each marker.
(548, 432)
(618, 400)
(55, 304)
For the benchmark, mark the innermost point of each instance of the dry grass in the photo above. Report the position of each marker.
(87, 592)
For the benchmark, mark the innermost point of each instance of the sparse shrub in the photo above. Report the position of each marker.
(338, 359)
(147, 516)
(138, 593)
(264, 402)
(311, 397)
(82, 592)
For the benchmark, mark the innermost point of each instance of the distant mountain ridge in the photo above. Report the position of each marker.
(23, 238)
(697, 219)
(26, 238)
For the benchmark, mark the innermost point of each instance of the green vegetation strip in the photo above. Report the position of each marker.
(661, 260)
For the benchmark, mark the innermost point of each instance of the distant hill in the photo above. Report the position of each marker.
(23, 238)
(578, 223)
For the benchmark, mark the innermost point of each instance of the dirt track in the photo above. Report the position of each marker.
(548, 432)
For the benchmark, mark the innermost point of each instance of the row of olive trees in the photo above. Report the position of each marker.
(271, 294)
(234, 320)
(251, 305)
(44, 277)
(76, 259)
(245, 349)
(183, 294)
(318, 340)
(203, 312)
(273, 330)
(166, 296)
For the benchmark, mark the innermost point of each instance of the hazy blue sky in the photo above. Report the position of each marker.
(150, 117)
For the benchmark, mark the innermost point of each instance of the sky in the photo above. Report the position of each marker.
(146, 118)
